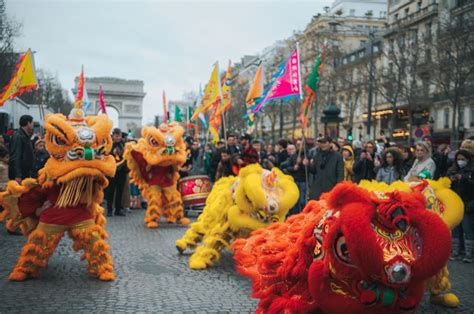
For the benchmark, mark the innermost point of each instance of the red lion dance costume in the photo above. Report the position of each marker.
(351, 252)
(66, 197)
(154, 162)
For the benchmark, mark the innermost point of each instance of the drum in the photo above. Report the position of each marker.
(194, 190)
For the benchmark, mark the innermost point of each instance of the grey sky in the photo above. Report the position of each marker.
(170, 45)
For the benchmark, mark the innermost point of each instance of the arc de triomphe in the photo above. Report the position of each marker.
(123, 100)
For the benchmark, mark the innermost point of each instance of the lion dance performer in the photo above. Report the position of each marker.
(354, 251)
(66, 197)
(235, 207)
(154, 162)
(449, 206)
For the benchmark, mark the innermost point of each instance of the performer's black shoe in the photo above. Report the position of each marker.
(119, 213)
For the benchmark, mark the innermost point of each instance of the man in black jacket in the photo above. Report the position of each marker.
(327, 168)
(21, 151)
(116, 184)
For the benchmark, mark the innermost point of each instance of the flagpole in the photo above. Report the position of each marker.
(303, 130)
(225, 129)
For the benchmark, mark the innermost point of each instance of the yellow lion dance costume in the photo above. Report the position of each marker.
(235, 207)
(153, 164)
(446, 203)
(66, 197)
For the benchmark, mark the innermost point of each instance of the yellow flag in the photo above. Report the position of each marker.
(226, 91)
(255, 92)
(24, 79)
(212, 93)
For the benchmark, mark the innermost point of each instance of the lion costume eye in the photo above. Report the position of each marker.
(57, 141)
(342, 252)
(153, 142)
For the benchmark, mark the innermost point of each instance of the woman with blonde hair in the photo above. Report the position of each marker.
(423, 162)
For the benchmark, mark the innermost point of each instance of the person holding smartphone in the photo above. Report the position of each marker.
(364, 168)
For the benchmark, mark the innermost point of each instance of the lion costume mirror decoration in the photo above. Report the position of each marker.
(66, 197)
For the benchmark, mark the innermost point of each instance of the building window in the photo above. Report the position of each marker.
(461, 117)
(396, 17)
(407, 11)
(446, 118)
(418, 6)
(352, 12)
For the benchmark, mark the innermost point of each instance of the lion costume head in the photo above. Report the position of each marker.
(155, 152)
(236, 206)
(351, 252)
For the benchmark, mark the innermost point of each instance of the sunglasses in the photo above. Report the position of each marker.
(322, 141)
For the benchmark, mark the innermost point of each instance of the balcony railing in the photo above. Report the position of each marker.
(420, 14)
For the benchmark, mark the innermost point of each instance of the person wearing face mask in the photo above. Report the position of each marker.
(461, 174)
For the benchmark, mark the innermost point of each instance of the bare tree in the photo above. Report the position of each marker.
(49, 93)
(451, 64)
(9, 30)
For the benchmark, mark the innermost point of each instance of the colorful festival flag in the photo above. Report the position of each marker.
(85, 99)
(23, 81)
(102, 100)
(178, 116)
(165, 109)
(254, 95)
(202, 117)
(285, 83)
(215, 121)
(80, 86)
(212, 93)
(311, 88)
(226, 91)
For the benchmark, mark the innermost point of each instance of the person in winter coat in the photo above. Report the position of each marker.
(423, 162)
(407, 159)
(392, 167)
(21, 151)
(224, 168)
(327, 168)
(364, 168)
(348, 157)
(294, 166)
(440, 158)
(461, 174)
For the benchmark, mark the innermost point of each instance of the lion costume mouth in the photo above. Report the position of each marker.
(80, 190)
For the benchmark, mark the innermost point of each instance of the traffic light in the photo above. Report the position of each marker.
(349, 135)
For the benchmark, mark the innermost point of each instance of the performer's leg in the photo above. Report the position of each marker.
(86, 237)
(213, 243)
(39, 247)
(109, 196)
(120, 177)
(439, 287)
(191, 238)
(174, 210)
(153, 195)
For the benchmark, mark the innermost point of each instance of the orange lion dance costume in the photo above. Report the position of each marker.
(351, 252)
(153, 164)
(66, 197)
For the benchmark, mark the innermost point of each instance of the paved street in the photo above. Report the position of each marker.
(151, 277)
